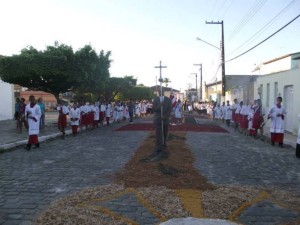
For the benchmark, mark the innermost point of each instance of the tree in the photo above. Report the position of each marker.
(57, 69)
(166, 81)
(139, 93)
(94, 70)
(116, 86)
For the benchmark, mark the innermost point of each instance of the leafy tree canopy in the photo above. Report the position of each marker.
(139, 93)
(57, 69)
(116, 86)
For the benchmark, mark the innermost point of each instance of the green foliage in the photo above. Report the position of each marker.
(139, 93)
(57, 69)
(115, 87)
(94, 70)
(166, 81)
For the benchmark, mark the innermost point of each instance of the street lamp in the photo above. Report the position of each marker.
(208, 43)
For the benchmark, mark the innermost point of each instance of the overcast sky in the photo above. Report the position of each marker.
(140, 33)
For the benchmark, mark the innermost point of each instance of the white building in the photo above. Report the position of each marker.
(281, 77)
(6, 101)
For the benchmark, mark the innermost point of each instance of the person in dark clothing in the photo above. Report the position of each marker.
(162, 108)
(131, 108)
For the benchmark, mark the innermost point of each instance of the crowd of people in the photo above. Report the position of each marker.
(247, 119)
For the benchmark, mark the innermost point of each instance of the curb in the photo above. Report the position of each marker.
(41, 139)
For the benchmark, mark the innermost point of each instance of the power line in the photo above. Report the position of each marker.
(249, 15)
(265, 26)
(264, 39)
(226, 10)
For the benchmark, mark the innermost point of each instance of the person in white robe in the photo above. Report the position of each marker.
(102, 112)
(137, 109)
(178, 112)
(108, 112)
(63, 111)
(33, 115)
(95, 110)
(75, 118)
(277, 115)
(143, 109)
(227, 113)
(217, 113)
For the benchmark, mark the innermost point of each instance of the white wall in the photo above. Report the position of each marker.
(277, 66)
(6, 101)
(283, 79)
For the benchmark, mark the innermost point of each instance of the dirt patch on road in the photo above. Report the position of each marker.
(175, 172)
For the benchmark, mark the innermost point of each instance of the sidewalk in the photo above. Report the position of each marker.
(11, 138)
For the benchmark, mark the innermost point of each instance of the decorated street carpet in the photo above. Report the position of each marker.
(181, 127)
(150, 193)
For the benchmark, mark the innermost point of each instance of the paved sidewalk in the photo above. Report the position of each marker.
(11, 138)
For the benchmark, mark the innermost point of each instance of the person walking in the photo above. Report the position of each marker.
(178, 112)
(131, 108)
(17, 112)
(33, 115)
(42, 106)
(74, 117)
(62, 117)
(258, 118)
(108, 111)
(277, 114)
(22, 119)
(228, 113)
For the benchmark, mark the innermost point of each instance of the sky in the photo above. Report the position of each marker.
(141, 33)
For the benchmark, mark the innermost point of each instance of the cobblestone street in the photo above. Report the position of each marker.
(31, 180)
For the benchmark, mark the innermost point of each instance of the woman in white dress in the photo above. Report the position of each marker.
(178, 112)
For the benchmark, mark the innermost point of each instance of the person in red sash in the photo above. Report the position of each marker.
(277, 114)
(63, 111)
(234, 115)
(74, 117)
(258, 118)
(33, 115)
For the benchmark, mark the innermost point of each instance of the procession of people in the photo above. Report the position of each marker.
(245, 118)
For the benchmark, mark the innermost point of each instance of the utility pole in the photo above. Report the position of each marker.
(160, 77)
(222, 55)
(196, 85)
(200, 96)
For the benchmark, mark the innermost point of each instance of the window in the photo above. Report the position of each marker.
(275, 91)
(268, 95)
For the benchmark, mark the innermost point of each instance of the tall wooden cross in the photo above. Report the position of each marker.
(160, 77)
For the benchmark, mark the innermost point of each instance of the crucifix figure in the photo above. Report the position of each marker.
(162, 108)
(160, 76)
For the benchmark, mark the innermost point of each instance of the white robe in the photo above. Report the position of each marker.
(244, 110)
(218, 112)
(96, 112)
(34, 126)
(228, 112)
(178, 113)
(75, 114)
(108, 110)
(65, 109)
(102, 108)
(277, 123)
